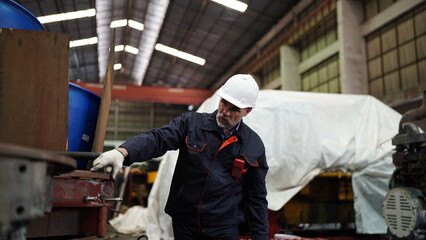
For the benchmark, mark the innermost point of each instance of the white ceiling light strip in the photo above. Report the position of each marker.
(234, 4)
(118, 23)
(83, 42)
(117, 66)
(124, 22)
(119, 48)
(126, 48)
(67, 16)
(131, 49)
(136, 25)
(180, 54)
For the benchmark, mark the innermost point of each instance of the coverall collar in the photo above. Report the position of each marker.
(211, 125)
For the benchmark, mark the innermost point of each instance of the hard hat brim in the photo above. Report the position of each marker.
(232, 100)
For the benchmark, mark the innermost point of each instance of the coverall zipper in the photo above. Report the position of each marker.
(230, 140)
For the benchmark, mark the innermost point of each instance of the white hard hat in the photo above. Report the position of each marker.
(240, 90)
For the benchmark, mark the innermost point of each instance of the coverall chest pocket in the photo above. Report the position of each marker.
(194, 144)
(241, 164)
(251, 160)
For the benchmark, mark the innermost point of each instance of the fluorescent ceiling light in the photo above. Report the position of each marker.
(234, 4)
(118, 23)
(136, 25)
(180, 54)
(124, 22)
(67, 16)
(84, 42)
(117, 66)
(119, 48)
(131, 49)
(126, 48)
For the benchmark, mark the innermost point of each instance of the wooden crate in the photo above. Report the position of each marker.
(34, 69)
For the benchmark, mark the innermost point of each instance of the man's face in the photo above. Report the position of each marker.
(228, 115)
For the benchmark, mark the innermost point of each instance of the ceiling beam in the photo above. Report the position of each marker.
(151, 94)
(153, 22)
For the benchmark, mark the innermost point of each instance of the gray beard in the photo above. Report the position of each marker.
(228, 124)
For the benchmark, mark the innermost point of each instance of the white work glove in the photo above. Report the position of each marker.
(113, 158)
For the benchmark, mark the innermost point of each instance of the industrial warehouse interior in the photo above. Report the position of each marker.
(340, 111)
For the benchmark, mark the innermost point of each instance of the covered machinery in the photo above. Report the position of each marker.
(404, 206)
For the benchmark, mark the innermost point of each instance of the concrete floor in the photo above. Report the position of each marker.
(126, 237)
(111, 235)
(114, 235)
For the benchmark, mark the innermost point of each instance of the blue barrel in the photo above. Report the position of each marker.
(13, 15)
(82, 118)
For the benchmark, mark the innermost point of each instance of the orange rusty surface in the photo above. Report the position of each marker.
(70, 190)
(151, 94)
(84, 174)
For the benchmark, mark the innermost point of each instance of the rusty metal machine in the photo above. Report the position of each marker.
(80, 206)
(404, 207)
(81, 203)
(42, 195)
(26, 186)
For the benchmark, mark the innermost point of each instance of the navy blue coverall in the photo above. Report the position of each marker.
(203, 191)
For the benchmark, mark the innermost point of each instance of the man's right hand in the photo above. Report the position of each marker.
(113, 158)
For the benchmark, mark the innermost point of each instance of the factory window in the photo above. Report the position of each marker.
(396, 56)
(129, 118)
(319, 38)
(323, 78)
(374, 7)
(271, 71)
(312, 30)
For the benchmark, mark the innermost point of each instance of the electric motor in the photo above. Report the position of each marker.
(404, 212)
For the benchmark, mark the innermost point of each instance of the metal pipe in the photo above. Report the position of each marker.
(417, 115)
(102, 222)
(81, 155)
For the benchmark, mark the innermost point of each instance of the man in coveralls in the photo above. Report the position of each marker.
(219, 179)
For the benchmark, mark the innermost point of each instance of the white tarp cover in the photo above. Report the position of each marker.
(133, 221)
(306, 134)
